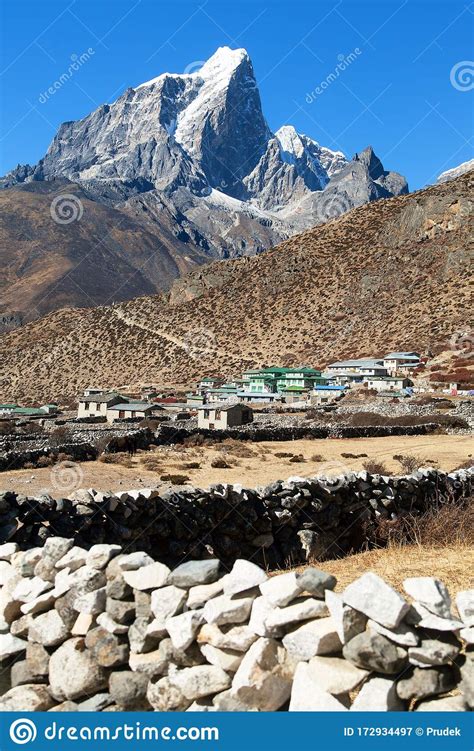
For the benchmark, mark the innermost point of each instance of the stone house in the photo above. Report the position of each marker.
(220, 415)
(387, 383)
(131, 410)
(363, 366)
(394, 360)
(96, 405)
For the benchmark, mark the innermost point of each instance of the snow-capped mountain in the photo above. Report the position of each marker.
(195, 149)
(450, 174)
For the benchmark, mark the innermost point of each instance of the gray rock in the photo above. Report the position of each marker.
(120, 611)
(167, 601)
(199, 595)
(57, 547)
(22, 672)
(39, 604)
(202, 680)
(99, 555)
(96, 703)
(444, 704)
(371, 651)
(164, 696)
(307, 695)
(155, 663)
(73, 671)
(467, 680)
(237, 638)
(28, 698)
(183, 628)
(139, 636)
(75, 558)
(128, 689)
(335, 675)
(348, 621)
(465, 605)
(107, 649)
(378, 695)
(281, 590)
(92, 602)
(7, 550)
(37, 658)
(313, 638)
(280, 618)
(225, 609)
(402, 634)
(426, 682)
(192, 573)
(316, 582)
(433, 652)
(48, 629)
(264, 677)
(377, 600)
(134, 561)
(431, 593)
(147, 577)
(118, 589)
(243, 576)
(227, 659)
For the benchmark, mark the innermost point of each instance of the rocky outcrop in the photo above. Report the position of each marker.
(295, 520)
(104, 629)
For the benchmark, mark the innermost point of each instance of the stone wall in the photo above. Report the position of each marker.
(79, 452)
(168, 434)
(104, 629)
(285, 522)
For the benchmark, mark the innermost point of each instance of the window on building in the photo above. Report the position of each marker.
(86, 405)
(218, 414)
(206, 414)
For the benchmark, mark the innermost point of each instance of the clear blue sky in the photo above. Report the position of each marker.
(397, 94)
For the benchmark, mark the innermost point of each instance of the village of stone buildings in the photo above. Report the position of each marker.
(220, 404)
(350, 399)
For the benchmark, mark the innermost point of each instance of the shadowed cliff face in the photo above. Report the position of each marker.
(390, 275)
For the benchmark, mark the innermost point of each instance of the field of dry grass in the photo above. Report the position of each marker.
(249, 464)
(452, 564)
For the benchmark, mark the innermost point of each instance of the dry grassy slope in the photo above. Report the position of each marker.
(391, 274)
(106, 255)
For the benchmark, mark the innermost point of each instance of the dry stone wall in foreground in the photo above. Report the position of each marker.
(283, 523)
(101, 629)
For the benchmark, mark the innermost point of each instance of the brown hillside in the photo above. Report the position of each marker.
(104, 255)
(390, 275)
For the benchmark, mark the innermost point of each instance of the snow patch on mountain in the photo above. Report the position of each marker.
(450, 174)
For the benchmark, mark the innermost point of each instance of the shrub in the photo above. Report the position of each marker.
(346, 455)
(409, 463)
(318, 458)
(44, 461)
(219, 463)
(297, 458)
(59, 436)
(190, 465)
(283, 454)
(175, 479)
(374, 467)
(118, 458)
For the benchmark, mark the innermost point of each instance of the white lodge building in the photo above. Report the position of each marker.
(221, 415)
(96, 405)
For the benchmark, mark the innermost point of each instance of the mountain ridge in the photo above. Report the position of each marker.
(391, 274)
